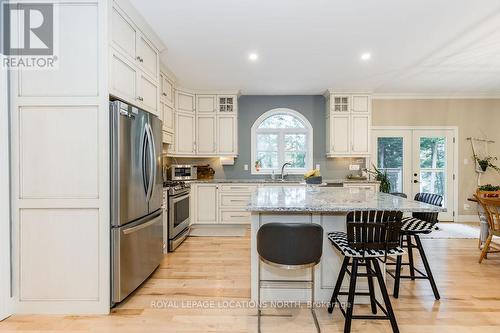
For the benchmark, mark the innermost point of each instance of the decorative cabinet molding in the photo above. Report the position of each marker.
(348, 125)
(185, 101)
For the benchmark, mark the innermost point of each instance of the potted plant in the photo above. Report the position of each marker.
(382, 177)
(488, 191)
(486, 162)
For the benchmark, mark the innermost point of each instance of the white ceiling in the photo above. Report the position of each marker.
(441, 47)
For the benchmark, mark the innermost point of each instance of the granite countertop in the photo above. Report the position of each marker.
(275, 181)
(329, 200)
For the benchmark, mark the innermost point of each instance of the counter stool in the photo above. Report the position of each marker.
(290, 246)
(371, 236)
(417, 224)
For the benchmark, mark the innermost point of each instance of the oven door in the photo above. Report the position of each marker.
(178, 214)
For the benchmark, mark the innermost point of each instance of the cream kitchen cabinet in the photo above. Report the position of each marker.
(227, 104)
(130, 84)
(167, 90)
(185, 134)
(206, 132)
(206, 103)
(205, 203)
(227, 135)
(221, 203)
(348, 125)
(168, 117)
(127, 38)
(185, 101)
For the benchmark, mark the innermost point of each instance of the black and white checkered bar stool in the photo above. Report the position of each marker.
(417, 224)
(371, 237)
(290, 246)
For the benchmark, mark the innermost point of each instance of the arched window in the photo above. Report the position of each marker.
(280, 136)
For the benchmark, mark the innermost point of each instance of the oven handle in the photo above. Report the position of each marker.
(177, 199)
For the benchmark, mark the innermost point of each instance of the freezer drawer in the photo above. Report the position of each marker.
(137, 249)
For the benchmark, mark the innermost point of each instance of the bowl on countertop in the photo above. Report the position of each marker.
(314, 180)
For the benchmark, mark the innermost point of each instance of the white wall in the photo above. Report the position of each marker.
(5, 299)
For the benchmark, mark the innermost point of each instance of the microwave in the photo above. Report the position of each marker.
(183, 172)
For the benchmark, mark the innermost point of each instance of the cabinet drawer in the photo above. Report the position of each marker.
(237, 188)
(235, 217)
(355, 187)
(231, 200)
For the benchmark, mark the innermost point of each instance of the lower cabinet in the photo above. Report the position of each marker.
(221, 203)
(375, 187)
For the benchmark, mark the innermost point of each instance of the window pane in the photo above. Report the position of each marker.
(295, 142)
(267, 142)
(268, 160)
(281, 121)
(432, 152)
(297, 159)
(390, 160)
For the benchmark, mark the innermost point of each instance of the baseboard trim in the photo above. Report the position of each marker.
(467, 218)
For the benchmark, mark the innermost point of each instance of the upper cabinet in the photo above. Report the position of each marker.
(206, 103)
(167, 93)
(227, 104)
(185, 102)
(348, 124)
(134, 68)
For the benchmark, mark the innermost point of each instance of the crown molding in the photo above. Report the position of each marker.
(436, 96)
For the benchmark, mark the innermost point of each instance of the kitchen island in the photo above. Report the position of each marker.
(327, 207)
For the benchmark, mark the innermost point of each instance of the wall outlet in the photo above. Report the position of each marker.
(245, 167)
(353, 167)
(318, 167)
(466, 206)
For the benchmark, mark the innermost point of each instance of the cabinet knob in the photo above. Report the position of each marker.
(164, 94)
(140, 59)
(139, 98)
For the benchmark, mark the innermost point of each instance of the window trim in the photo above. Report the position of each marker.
(308, 130)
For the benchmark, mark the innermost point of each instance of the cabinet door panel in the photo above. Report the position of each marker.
(227, 137)
(205, 103)
(123, 33)
(206, 135)
(185, 101)
(148, 92)
(206, 203)
(339, 134)
(167, 90)
(184, 135)
(168, 118)
(360, 134)
(123, 78)
(148, 57)
(360, 103)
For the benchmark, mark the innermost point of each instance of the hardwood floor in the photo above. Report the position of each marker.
(217, 269)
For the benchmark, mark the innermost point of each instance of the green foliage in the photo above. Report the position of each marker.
(484, 163)
(489, 187)
(385, 184)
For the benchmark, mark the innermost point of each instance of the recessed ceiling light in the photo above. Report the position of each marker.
(366, 56)
(253, 56)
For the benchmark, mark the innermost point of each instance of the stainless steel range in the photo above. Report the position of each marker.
(178, 199)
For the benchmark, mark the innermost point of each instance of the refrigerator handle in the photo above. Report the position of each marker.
(143, 162)
(152, 166)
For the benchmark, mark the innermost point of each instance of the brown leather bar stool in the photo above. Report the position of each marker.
(290, 246)
(371, 237)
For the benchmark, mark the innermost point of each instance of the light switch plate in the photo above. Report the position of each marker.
(318, 167)
(353, 167)
(245, 167)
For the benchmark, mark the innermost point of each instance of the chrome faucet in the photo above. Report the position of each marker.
(283, 169)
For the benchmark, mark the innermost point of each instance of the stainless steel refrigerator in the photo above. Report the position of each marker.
(136, 197)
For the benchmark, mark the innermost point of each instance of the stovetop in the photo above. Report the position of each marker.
(176, 186)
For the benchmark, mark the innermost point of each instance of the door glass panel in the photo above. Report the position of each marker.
(390, 160)
(432, 152)
(433, 182)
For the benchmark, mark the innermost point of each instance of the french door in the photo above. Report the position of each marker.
(418, 160)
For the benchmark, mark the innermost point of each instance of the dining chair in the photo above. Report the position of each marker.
(491, 206)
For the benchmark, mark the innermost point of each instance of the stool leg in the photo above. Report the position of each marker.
(397, 275)
(410, 257)
(312, 302)
(340, 278)
(350, 298)
(427, 267)
(385, 295)
(258, 297)
(370, 288)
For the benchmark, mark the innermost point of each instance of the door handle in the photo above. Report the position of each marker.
(143, 163)
(152, 160)
(415, 181)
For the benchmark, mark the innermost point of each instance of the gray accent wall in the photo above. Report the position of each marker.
(252, 107)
